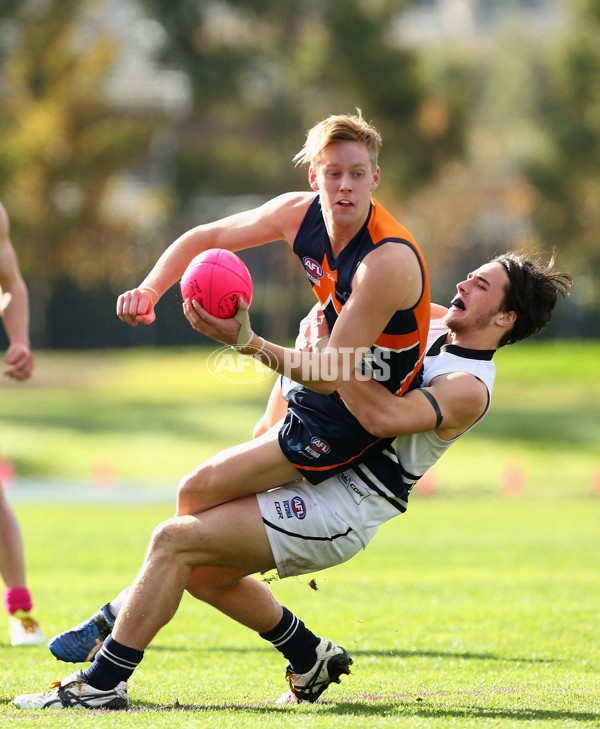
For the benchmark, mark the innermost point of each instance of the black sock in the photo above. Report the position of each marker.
(113, 663)
(297, 643)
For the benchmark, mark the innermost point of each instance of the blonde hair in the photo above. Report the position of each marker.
(339, 128)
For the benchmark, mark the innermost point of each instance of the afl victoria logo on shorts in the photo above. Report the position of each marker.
(320, 445)
(295, 508)
(298, 507)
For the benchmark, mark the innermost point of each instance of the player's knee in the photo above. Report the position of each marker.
(187, 493)
(162, 540)
(194, 492)
(210, 588)
(170, 538)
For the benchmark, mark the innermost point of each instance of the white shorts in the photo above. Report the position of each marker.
(311, 528)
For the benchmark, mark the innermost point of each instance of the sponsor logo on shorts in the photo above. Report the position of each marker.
(320, 445)
(298, 507)
(317, 448)
(295, 508)
(313, 269)
(356, 490)
(279, 510)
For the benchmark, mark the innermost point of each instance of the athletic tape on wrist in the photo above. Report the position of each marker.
(245, 334)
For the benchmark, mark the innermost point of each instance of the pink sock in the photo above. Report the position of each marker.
(17, 598)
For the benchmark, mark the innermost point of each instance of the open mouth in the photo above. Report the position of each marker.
(458, 304)
(345, 203)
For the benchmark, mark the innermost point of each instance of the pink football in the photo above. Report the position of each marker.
(217, 278)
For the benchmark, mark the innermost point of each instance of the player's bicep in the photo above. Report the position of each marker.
(277, 219)
(388, 280)
(462, 399)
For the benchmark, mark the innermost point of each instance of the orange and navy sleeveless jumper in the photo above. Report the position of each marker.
(320, 436)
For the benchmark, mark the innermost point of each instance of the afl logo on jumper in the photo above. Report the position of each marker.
(313, 269)
(320, 445)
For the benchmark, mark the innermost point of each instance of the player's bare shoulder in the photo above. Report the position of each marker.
(289, 210)
(399, 256)
(394, 269)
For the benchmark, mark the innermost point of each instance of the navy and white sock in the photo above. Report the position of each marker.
(113, 663)
(297, 643)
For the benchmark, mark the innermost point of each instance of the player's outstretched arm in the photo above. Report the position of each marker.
(277, 219)
(18, 356)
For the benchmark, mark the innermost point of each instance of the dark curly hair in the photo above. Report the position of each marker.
(532, 293)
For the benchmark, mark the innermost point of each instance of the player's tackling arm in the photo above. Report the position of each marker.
(461, 399)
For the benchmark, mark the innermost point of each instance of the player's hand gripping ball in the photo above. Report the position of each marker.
(217, 279)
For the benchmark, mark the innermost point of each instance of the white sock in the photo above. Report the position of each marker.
(117, 603)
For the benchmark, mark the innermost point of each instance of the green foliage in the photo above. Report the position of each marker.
(262, 71)
(565, 169)
(60, 143)
(490, 142)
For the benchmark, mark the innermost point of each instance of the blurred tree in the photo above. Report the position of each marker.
(89, 183)
(262, 70)
(564, 169)
(61, 146)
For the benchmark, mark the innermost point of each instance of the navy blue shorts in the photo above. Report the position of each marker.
(321, 437)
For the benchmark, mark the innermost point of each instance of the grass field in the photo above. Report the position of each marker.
(478, 608)
(462, 613)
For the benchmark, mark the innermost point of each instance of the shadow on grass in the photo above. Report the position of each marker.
(400, 704)
(212, 650)
(406, 705)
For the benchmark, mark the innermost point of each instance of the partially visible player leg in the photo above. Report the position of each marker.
(176, 547)
(24, 629)
(274, 411)
(82, 642)
(249, 468)
(313, 663)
